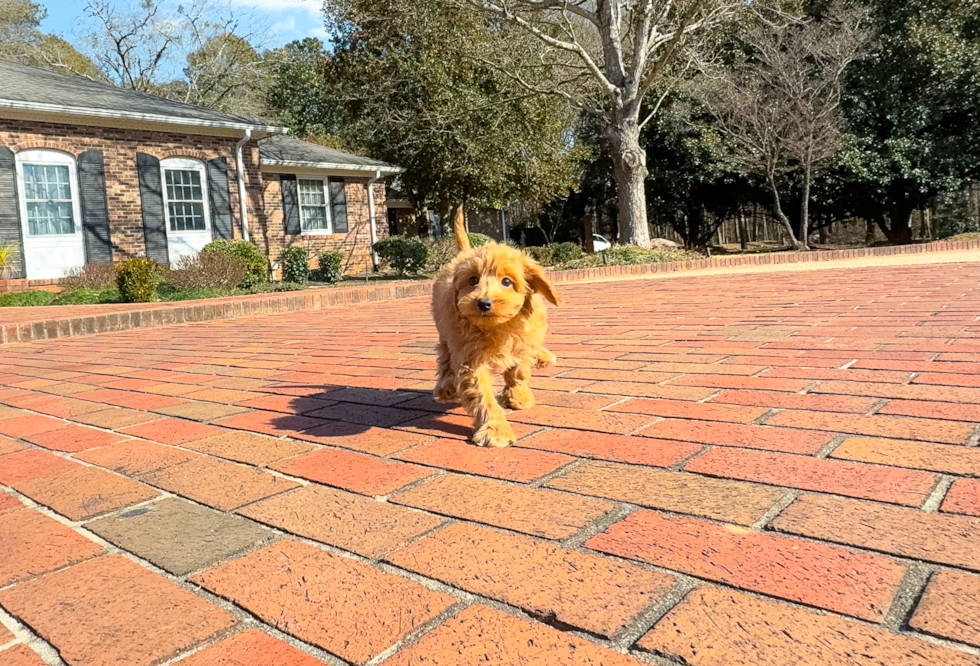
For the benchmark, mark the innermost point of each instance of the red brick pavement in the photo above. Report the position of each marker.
(751, 469)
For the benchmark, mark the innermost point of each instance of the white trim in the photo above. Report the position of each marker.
(144, 117)
(374, 231)
(186, 164)
(48, 156)
(326, 204)
(338, 166)
(240, 175)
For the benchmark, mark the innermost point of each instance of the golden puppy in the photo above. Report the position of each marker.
(488, 307)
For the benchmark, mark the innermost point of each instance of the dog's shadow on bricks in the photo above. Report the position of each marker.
(321, 412)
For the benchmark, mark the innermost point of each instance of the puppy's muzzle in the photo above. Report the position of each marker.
(484, 304)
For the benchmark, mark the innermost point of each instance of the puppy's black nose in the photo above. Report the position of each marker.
(484, 304)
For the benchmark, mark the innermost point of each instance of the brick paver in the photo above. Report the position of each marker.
(742, 469)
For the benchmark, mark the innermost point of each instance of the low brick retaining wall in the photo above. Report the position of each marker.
(43, 323)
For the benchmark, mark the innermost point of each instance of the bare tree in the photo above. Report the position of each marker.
(779, 110)
(612, 53)
(139, 48)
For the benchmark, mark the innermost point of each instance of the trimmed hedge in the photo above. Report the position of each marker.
(331, 266)
(137, 279)
(404, 255)
(295, 265)
(256, 264)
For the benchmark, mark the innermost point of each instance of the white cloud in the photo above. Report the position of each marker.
(320, 33)
(287, 25)
(312, 6)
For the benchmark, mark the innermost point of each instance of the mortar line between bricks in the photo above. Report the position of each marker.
(935, 498)
(906, 598)
(619, 511)
(647, 619)
(775, 510)
(942, 642)
(831, 446)
(877, 406)
(545, 478)
(22, 632)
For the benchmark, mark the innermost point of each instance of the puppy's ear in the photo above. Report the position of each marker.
(538, 282)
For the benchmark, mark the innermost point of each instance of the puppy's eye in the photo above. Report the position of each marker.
(474, 280)
(507, 282)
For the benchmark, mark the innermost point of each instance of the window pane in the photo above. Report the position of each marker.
(185, 200)
(313, 205)
(47, 193)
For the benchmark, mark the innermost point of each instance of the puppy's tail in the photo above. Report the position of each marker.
(462, 239)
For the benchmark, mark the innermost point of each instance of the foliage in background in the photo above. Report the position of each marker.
(137, 279)
(206, 270)
(256, 264)
(409, 81)
(331, 266)
(21, 40)
(295, 264)
(89, 276)
(403, 255)
(912, 106)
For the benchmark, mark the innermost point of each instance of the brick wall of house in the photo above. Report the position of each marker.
(355, 244)
(119, 147)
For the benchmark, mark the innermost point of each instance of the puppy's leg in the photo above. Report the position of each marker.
(543, 358)
(445, 390)
(517, 394)
(489, 425)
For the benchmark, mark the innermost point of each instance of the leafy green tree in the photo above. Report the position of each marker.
(913, 110)
(299, 90)
(408, 81)
(21, 40)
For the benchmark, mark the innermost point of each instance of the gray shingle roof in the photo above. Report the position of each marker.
(289, 151)
(36, 89)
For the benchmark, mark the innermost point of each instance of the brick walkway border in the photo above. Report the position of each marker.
(122, 318)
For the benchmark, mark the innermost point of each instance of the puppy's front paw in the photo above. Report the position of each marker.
(543, 358)
(494, 434)
(518, 397)
(445, 391)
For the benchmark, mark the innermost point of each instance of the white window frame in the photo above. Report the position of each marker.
(48, 157)
(185, 164)
(326, 200)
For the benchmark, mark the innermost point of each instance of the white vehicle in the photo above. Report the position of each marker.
(599, 243)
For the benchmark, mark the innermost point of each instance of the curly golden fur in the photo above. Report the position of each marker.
(488, 306)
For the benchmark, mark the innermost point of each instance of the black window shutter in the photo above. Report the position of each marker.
(10, 231)
(95, 208)
(220, 199)
(338, 205)
(290, 205)
(151, 198)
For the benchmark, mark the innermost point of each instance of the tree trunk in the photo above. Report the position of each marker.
(743, 232)
(781, 216)
(899, 227)
(805, 207)
(587, 221)
(630, 168)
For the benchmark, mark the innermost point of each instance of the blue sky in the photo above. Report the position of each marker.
(286, 20)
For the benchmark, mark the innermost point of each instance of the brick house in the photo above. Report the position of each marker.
(92, 173)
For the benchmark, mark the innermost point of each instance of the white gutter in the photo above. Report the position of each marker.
(240, 172)
(337, 166)
(374, 231)
(503, 224)
(144, 117)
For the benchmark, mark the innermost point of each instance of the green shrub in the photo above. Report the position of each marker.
(476, 240)
(256, 265)
(86, 297)
(295, 265)
(26, 299)
(543, 254)
(89, 276)
(562, 253)
(137, 279)
(331, 266)
(404, 255)
(272, 287)
(207, 270)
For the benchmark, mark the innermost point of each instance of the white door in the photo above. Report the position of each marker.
(186, 206)
(49, 211)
